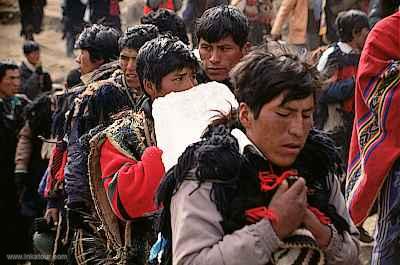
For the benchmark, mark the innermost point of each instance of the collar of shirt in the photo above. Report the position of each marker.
(244, 141)
(86, 78)
(344, 47)
(29, 65)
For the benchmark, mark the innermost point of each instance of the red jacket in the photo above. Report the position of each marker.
(130, 184)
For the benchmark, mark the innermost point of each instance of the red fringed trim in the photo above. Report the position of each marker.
(320, 215)
(255, 214)
(270, 181)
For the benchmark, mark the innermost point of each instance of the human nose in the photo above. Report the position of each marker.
(215, 56)
(78, 59)
(131, 65)
(17, 83)
(297, 127)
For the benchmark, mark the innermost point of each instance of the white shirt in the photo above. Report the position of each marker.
(344, 47)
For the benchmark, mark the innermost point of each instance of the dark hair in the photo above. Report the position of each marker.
(222, 21)
(135, 37)
(261, 76)
(30, 46)
(167, 22)
(6, 65)
(100, 41)
(161, 56)
(388, 7)
(73, 78)
(350, 21)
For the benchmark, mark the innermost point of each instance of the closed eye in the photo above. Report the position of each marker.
(283, 114)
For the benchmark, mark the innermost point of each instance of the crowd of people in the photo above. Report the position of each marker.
(127, 163)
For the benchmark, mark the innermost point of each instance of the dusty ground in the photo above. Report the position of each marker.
(50, 39)
(55, 61)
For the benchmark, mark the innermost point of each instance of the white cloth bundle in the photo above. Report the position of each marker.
(180, 118)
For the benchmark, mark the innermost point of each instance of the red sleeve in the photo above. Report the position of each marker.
(130, 184)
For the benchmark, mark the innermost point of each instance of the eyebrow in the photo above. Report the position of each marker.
(225, 45)
(180, 74)
(294, 110)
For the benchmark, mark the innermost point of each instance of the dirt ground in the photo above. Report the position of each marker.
(55, 61)
(50, 39)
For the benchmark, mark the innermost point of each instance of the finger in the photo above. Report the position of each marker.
(55, 218)
(298, 187)
(282, 188)
(47, 217)
(303, 197)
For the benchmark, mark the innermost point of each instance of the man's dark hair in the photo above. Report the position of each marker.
(167, 22)
(30, 46)
(389, 7)
(261, 76)
(222, 21)
(161, 56)
(349, 22)
(6, 65)
(100, 41)
(135, 37)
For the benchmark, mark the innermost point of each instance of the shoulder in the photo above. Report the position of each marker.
(22, 99)
(216, 156)
(324, 58)
(100, 86)
(126, 133)
(190, 187)
(192, 195)
(23, 67)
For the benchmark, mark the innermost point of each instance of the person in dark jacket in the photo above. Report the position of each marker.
(73, 12)
(11, 121)
(31, 17)
(30, 164)
(223, 40)
(105, 12)
(130, 163)
(93, 107)
(98, 47)
(34, 79)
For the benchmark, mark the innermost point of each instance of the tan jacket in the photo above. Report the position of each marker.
(296, 11)
(24, 150)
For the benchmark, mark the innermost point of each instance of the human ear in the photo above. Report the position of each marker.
(246, 48)
(150, 89)
(245, 115)
(355, 33)
(98, 62)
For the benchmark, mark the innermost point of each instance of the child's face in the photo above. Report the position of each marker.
(176, 81)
